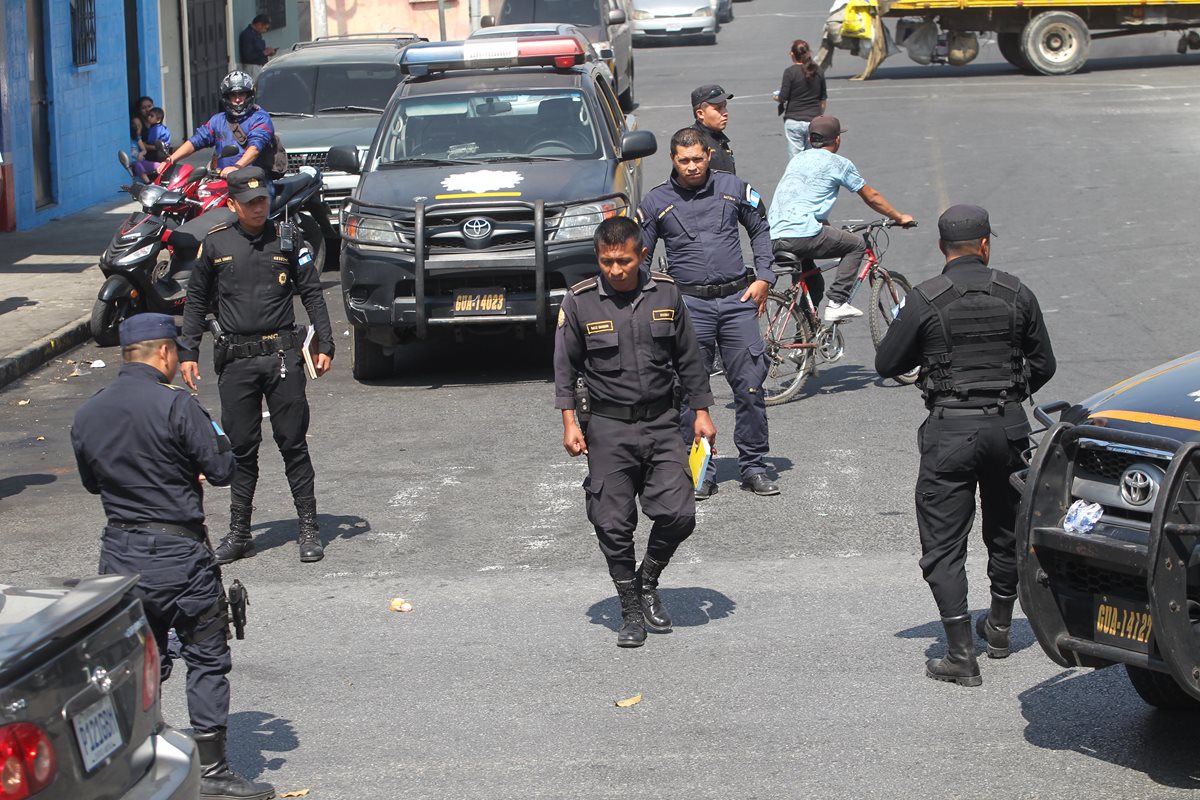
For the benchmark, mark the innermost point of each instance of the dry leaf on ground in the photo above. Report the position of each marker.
(630, 701)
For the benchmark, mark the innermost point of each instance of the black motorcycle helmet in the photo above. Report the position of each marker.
(234, 83)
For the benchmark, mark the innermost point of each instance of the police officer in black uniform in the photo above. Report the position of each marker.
(142, 445)
(978, 336)
(627, 333)
(250, 269)
(711, 110)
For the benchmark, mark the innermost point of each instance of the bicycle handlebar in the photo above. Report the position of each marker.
(876, 224)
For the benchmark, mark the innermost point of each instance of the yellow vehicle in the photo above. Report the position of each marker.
(1044, 36)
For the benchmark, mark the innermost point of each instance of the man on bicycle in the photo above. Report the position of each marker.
(800, 210)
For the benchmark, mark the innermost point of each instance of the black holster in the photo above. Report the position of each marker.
(239, 598)
(583, 403)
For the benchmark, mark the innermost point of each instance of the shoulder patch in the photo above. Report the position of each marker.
(220, 227)
(661, 276)
(753, 198)
(584, 285)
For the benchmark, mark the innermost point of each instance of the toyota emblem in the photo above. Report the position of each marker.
(1138, 487)
(477, 228)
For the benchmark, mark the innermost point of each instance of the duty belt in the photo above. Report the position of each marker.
(711, 290)
(635, 413)
(960, 411)
(196, 533)
(261, 344)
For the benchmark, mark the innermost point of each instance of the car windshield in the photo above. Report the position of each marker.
(489, 127)
(576, 12)
(328, 88)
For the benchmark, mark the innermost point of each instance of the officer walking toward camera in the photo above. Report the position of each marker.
(978, 336)
(142, 445)
(627, 334)
(710, 107)
(251, 268)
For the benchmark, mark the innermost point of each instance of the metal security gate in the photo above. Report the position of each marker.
(207, 37)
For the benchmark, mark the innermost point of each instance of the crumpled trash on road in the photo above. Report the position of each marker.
(629, 701)
(22, 402)
(400, 604)
(297, 793)
(1082, 516)
(98, 364)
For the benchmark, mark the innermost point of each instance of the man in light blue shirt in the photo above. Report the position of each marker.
(800, 210)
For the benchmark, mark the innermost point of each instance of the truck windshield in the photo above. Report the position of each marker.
(576, 12)
(489, 127)
(336, 88)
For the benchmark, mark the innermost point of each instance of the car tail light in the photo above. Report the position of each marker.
(151, 671)
(27, 761)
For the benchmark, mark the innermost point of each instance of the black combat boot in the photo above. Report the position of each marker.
(238, 543)
(217, 780)
(311, 548)
(657, 618)
(959, 666)
(633, 626)
(994, 626)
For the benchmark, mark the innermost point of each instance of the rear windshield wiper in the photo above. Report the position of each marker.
(427, 162)
(364, 109)
(289, 114)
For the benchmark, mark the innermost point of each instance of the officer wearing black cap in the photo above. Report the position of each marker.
(142, 445)
(627, 334)
(250, 269)
(978, 336)
(711, 111)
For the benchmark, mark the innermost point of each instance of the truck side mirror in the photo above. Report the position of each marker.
(487, 21)
(637, 144)
(343, 158)
(616, 17)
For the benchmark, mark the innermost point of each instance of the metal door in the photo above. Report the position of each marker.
(207, 37)
(39, 104)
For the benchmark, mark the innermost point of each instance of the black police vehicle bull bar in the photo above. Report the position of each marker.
(1162, 576)
(537, 207)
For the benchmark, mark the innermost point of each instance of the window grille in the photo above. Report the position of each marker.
(83, 32)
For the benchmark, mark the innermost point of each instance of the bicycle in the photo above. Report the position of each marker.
(792, 347)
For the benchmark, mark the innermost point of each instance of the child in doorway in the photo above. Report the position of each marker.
(154, 145)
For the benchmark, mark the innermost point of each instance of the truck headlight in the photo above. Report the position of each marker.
(579, 222)
(639, 14)
(369, 230)
(706, 11)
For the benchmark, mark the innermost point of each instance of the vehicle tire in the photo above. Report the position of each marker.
(310, 229)
(787, 368)
(626, 98)
(1055, 43)
(1160, 690)
(887, 295)
(107, 318)
(1009, 44)
(368, 362)
(710, 39)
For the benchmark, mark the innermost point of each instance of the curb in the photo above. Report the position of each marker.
(27, 359)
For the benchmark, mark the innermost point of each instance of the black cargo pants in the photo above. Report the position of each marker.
(631, 459)
(958, 454)
(180, 588)
(243, 384)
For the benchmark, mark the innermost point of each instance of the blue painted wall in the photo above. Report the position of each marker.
(89, 109)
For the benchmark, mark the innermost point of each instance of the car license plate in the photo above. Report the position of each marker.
(476, 302)
(674, 27)
(1123, 623)
(98, 732)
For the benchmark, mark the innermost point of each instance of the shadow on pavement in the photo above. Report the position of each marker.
(13, 303)
(844, 378)
(277, 533)
(253, 734)
(689, 607)
(1003, 69)
(479, 360)
(729, 475)
(15, 484)
(1097, 714)
(1020, 638)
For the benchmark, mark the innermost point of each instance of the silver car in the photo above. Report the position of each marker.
(668, 20)
(79, 701)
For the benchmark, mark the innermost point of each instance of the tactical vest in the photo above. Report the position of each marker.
(983, 356)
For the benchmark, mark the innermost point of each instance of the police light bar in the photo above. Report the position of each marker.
(560, 52)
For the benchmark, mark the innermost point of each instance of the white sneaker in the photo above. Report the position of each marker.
(836, 312)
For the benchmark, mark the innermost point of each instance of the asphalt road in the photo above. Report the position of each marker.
(796, 669)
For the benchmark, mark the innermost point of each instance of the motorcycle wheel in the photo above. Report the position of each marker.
(107, 319)
(315, 239)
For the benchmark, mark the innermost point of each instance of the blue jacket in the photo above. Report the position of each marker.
(700, 229)
(141, 444)
(216, 134)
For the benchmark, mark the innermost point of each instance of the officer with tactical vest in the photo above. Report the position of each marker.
(978, 336)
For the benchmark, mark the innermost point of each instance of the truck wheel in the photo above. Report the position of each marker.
(368, 362)
(1055, 43)
(1160, 690)
(626, 99)
(1009, 43)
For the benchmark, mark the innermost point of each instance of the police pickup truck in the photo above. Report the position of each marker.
(1108, 533)
(492, 165)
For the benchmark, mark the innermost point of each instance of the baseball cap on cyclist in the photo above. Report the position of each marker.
(709, 94)
(964, 222)
(824, 129)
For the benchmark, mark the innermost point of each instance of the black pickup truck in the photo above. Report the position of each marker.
(1124, 588)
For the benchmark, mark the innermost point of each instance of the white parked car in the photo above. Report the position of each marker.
(669, 20)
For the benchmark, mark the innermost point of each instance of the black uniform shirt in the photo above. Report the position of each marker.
(722, 150)
(142, 443)
(627, 346)
(917, 331)
(254, 281)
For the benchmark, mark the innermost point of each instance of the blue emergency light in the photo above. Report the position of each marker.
(422, 58)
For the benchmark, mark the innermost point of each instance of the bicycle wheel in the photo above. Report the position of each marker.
(783, 328)
(887, 296)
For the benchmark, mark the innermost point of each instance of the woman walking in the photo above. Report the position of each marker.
(801, 96)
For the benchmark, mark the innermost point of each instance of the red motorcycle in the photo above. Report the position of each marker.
(200, 189)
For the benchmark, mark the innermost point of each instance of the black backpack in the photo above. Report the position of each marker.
(273, 160)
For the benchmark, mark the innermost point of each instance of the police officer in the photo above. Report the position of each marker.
(696, 213)
(241, 123)
(250, 269)
(710, 107)
(978, 336)
(142, 445)
(626, 332)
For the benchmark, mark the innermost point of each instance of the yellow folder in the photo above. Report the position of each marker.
(698, 460)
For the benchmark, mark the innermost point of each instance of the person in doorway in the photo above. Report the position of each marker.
(252, 47)
(154, 147)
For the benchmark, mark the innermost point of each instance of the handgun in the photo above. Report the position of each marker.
(239, 598)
